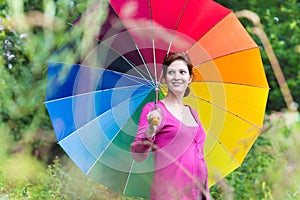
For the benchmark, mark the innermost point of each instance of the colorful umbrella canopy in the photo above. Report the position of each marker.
(94, 106)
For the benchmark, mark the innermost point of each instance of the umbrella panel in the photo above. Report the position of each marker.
(227, 37)
(243, 67)
(247, 106)
(73, 85)
(116, 162)
(174, 17)
(134, 184)
(232, 122)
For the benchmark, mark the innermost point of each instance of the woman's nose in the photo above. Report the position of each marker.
(176, 75)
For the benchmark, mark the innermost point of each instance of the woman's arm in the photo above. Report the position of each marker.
(144, 139)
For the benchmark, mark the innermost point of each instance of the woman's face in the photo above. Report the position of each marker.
(177, 77)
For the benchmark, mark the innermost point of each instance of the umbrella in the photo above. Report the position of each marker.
(94, 105)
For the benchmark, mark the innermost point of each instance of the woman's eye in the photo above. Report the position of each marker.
(183, 72)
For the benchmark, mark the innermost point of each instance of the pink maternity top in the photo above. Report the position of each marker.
(180, 168)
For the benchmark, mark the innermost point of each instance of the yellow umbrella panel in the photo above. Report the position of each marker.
(229, 91)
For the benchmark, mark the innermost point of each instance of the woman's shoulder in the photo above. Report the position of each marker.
(192, 110)
(194, 113)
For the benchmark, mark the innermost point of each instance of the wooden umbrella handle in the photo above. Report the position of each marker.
(154, 121)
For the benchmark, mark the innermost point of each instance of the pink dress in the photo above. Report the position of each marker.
(180, 168)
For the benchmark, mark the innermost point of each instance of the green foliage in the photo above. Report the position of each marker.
(250, 177)
(57, 182)
(25, 47)
(284, 175)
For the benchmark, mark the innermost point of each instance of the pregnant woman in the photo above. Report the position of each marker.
(174, 133)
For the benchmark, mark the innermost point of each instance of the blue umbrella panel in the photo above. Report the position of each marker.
(95, 113)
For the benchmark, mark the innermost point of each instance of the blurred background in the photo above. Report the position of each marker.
(34, 167)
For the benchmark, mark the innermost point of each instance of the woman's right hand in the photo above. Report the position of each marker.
(154, 119)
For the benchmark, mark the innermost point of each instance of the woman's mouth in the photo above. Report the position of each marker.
(176, 83)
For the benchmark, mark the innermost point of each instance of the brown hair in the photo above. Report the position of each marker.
(171, 57)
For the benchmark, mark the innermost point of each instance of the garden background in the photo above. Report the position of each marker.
(34, 167)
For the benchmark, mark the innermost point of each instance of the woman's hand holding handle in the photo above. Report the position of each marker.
(154, 119)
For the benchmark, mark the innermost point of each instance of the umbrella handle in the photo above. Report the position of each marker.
(155, 120)
(156, 94)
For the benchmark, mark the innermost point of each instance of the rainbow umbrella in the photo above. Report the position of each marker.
(95, 105)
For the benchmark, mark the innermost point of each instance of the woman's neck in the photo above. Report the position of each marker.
(173, 99)
(174, 106)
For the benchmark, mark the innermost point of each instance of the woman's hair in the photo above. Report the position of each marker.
(171, 57)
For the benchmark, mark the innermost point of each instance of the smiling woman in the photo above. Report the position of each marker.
(184, 60)
(177, 140)
(177, 77)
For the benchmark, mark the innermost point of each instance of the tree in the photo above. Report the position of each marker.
(30, 32)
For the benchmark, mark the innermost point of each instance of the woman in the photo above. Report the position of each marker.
(174, 133)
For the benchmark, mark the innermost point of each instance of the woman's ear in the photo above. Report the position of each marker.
(163, 80)
(191, 78)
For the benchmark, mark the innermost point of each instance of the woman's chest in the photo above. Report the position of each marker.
(174, 132)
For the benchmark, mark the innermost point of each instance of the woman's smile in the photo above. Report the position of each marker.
(177, 83)
(178, 77)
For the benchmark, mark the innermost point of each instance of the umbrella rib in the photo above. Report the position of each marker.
(102, 151)
(110, 140)
(219, 142)
(224, 55)
(106, 145)
(134, 79)
(146, 66)
(133, 66)
(180, 17)
(177, 24)
(170, 44)
(154, 60)
(98, 117)
(87, 93)
(216, 139)
(129, 174)
(232, 83)
(153, 45)
(228, 111)
(138, 71)
(129, 76)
